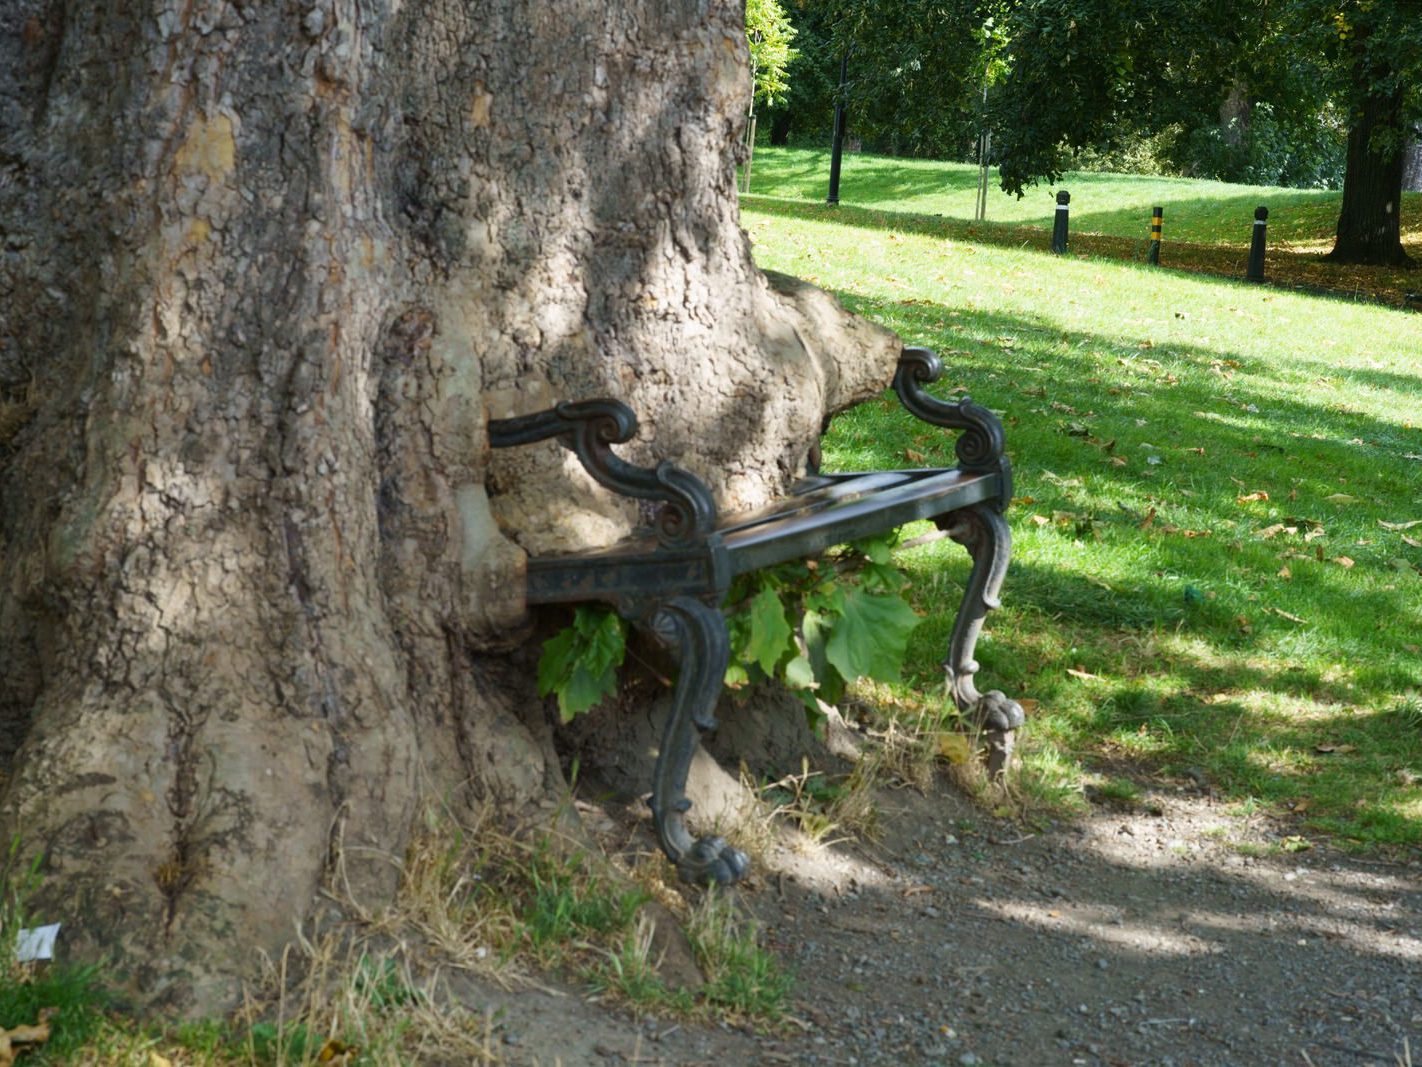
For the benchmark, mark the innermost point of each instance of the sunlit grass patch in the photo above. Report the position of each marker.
(1214, 569)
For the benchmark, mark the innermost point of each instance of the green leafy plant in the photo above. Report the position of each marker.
(850, 621)
(813, 624)
(579, 663)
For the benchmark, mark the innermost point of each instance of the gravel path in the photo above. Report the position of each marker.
(1169, 934)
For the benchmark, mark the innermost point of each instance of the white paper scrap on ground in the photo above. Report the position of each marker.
(36, 944)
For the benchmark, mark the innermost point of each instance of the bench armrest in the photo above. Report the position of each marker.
(589, 428)
(981, 446)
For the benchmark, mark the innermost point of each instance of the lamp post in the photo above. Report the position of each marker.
(839, 121)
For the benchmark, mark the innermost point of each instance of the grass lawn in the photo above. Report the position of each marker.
(1217, 572)
(1207, 224)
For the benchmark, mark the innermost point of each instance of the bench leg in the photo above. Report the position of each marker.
(985, 534)
(696, 636)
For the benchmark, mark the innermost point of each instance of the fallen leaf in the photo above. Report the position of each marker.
(1082, 674)
(1342, 561)
(1149, 520)
(1258, 494)
(1285, 573)
(1245, 626)
(1270, 531)
(1328, 747)
(337, 1053)
(1196, 451)
(916, 890)
(155, 1060)
(1411, 541)
(17, 1039)
(913, 456)
(1399, 525)
(1284, 614)
(1040, 520)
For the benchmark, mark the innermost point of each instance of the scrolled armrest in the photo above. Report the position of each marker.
(982, 444)
(589, 428)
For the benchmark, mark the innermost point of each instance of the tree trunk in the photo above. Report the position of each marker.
(1369, 224)
(266, 273)
(1412, 162)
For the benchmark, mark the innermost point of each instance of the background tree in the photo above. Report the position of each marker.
(769, 33)
(267, 270)
(1087, 71)
(915, 73)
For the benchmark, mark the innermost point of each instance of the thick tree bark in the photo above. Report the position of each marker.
(1412, 162)
(1369, 224)
(266, 273)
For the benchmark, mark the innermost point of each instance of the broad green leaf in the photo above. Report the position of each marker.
(878, 549)
(817, 629)
(799, 673)
(585, 690)
(769, 631)
(871, 637)
(556, 661)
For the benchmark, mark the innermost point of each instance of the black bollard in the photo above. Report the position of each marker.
(1255, 273)
(1059, 227)
(1153, 256)
(839, 122)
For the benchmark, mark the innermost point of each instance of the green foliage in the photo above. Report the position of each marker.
(568, 903)
(742, 977)
(769, 33)
(852, 622)
(579, 664)
(75, 997)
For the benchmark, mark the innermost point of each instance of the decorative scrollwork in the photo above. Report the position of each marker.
(589, 428)
(981, 446)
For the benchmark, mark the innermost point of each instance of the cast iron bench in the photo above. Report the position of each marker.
(672, 579)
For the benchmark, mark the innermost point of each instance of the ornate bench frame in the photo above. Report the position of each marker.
(672, 581)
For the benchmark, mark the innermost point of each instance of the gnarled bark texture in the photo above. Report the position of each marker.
(267, 269)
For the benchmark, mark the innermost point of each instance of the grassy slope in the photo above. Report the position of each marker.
(1207, 224)
(1148, 412)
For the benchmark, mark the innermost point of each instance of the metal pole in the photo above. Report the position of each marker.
(839, 121)
(984, 154)
(1059, 226)
(1153, 256)
(1255, 273)
(750, 153)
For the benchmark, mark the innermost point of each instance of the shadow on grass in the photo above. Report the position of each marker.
(1154, 579)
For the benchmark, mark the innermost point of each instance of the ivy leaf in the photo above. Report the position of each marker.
(769, 631)
(871, 637)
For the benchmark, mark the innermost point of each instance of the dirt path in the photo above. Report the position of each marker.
(1156, 935)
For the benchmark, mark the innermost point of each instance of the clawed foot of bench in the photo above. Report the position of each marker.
(997, 716)
(711, 861)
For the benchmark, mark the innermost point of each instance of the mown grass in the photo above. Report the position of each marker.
(1211, 579)
(1208, 225)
